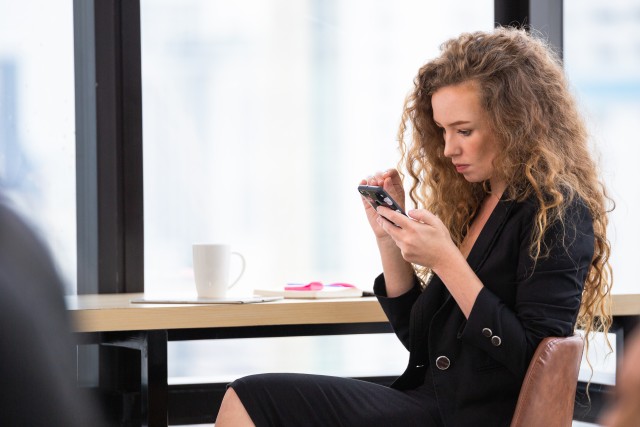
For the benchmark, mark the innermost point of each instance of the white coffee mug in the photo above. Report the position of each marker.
(211, 264)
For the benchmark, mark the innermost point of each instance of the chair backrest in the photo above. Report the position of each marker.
(549, 389)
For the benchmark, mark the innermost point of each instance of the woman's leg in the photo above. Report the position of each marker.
(277, 400)
(232, 412)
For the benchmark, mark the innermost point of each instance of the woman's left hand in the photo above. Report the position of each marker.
(422, 238)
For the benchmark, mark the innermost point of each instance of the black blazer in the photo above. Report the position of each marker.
(477, 365)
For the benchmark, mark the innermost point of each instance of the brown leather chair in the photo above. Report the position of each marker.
(549, 389)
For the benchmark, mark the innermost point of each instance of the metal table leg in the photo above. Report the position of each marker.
(154, 393)
(154, 386)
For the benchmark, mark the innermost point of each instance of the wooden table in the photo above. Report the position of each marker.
(115, 312)
(112, 320)
(625, 305)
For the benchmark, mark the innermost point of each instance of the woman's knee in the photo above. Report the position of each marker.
(232, 411)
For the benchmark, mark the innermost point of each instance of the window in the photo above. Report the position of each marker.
(277, 110)
(37, 122)
(602, 59)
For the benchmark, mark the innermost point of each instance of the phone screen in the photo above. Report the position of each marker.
(377, 196)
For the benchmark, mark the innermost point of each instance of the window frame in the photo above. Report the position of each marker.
(109, 185)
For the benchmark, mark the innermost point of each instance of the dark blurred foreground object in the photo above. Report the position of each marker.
(37, 353)
(624, 410)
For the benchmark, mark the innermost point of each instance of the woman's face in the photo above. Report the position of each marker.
(468, 139)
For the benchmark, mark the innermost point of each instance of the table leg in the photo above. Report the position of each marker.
(154, 387)
(154, 392)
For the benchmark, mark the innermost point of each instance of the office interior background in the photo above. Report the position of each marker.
(259, 118)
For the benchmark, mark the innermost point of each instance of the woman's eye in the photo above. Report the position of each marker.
(464, 132)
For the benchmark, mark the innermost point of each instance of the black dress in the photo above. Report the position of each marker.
(302, 400)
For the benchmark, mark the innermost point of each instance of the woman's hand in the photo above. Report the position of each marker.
(422, 238)
(392, 184)
(398, 273)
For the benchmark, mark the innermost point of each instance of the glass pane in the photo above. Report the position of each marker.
(602, 59)
(37, 121)
(260, 119)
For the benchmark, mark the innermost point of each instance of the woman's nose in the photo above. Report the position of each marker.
(450, 148)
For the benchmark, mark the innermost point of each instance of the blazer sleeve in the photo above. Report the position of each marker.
(547, 299)
(398, 309)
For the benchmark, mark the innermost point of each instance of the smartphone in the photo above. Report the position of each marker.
(377, 196)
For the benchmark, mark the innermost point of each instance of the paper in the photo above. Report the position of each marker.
(194, 300)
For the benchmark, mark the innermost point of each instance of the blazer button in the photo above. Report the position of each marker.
(487, 332)
(443, 363)
(496, 340)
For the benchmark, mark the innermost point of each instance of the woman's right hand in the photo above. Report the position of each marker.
(398, 273)
(391, 182)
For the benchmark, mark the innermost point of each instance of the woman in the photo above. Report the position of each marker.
(509, 247)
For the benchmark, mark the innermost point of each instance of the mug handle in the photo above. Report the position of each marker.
(241, 269)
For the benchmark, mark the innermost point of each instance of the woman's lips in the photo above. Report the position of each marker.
(461, 168)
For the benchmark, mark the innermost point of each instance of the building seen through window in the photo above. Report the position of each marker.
(37, 122)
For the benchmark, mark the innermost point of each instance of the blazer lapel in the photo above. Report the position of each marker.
(489, 233)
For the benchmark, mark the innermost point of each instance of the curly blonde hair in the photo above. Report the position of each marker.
(542, 139)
